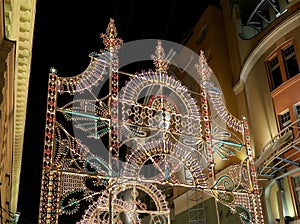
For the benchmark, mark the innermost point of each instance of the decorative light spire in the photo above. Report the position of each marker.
(53, 70)
(159, 59)
(202, 67)
(110, 39)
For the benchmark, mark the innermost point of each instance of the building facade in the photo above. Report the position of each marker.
(253, 48)
(16, 36)
(7, 54)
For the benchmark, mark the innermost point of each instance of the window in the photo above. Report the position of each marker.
(202, 34)
(297, 113)
(297, 110)
(284, 119)
(282, 64)
(275, 74)
(290, 61)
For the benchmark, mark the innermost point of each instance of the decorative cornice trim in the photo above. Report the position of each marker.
(19, 26)
(238, 87)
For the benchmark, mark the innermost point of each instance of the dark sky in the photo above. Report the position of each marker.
(65, 33)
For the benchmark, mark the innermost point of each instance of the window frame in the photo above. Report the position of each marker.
(297, 115)
(287, 57)
(278, 52)
(270, 76)
(287, 123)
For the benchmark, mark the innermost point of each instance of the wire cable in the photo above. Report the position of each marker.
(129, 19)
(170, 19)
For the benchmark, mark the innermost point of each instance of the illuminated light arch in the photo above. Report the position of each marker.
(164, 124)
(133, 89)
(160, 102)
(149, 150)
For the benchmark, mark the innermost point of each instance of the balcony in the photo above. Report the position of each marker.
(281, 154)
(263, 14)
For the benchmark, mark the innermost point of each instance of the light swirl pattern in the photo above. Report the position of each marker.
(156, 152)
(127, 205)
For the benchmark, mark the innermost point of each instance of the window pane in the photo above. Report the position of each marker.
(297, 110)
(275, 74)
(274, 62)
(290, 59)
(276, 78)
(292, 67)
(284, 119)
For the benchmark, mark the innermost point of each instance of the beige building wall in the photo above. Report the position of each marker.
(259, 106)
(258, 96)
(210, 36)
(17, 27)
(249, 73)
(253, 94)
(239, 65)
(7, 54)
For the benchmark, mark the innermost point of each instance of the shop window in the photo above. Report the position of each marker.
(282, 64)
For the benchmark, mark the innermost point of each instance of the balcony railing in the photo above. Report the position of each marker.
(265, 12)
(281, 154)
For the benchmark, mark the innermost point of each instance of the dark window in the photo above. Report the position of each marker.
(282, 65)
(202, 34)
(290, 61)
(275, 74)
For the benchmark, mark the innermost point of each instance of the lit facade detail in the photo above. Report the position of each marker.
(19, 19)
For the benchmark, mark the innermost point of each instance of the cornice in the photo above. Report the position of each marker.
(19, 26)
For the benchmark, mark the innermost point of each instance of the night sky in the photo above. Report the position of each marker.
(65, 33)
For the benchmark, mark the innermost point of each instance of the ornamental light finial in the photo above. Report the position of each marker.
(53, 70)
(110, 39)
(159, 59)
(204, 71)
